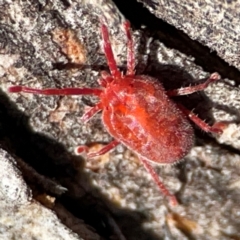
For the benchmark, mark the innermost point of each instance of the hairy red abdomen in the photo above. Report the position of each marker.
(138, 113)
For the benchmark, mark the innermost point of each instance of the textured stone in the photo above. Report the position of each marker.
(118, 197)
(213, 23)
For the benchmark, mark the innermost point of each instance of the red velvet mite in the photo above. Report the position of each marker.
(138, 112)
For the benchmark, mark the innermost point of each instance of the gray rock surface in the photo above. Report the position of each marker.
(213, 23)
(58, 44)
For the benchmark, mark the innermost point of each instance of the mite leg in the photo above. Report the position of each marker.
(188, 90)
(130, 51)
(160, 185)
(216, 128)
(91, 112)
(108, 52)
(102, 151)
(56, 91)
(105, 79)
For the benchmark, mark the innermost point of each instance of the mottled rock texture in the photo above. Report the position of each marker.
(46, 189)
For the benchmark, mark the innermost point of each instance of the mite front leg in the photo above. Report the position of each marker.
(108, 52)
(130, 51)
(91, 112)
(107, 148)
(105, 79)
(56, 91)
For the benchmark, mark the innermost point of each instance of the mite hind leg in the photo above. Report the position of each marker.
(189, 90)
(218, 127)
(159, 183)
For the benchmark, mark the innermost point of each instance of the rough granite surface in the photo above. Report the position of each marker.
(47, 44)
(213, 23)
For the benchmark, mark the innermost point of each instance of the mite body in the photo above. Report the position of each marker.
(138, 112)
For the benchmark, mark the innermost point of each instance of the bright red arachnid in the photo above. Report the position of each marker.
(137, 111)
